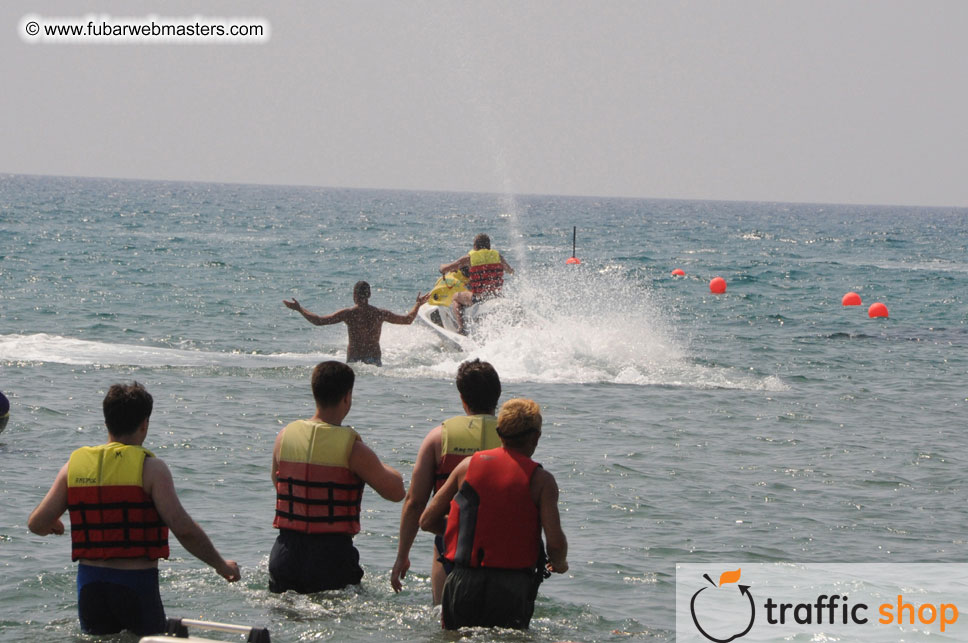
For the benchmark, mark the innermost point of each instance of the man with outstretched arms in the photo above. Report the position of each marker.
(122, 503)
(319, 468)
(491, 511)
(441, 451)
(364, 323)
(486, 268)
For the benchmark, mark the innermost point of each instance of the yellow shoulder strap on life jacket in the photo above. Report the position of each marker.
(317, 443)
(107, 464)
(481, 257)
(467, 434)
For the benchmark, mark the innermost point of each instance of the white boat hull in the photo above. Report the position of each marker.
(440, 319)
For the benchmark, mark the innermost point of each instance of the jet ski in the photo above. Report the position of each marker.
(437, 314)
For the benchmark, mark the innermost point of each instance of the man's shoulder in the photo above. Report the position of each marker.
(434, 434)
(543, 479)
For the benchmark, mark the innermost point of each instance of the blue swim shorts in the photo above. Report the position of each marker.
(111, 600)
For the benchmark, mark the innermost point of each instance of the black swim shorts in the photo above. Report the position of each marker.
(308, 563)
(486, 597)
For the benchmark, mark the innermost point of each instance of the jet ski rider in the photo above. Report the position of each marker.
(487, 268)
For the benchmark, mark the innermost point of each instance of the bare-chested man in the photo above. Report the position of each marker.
(364, 323)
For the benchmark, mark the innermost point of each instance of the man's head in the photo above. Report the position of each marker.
(479, 386)
(519, 423)
(361, 292)
(126, 407)
(482, 242)
(331, 382)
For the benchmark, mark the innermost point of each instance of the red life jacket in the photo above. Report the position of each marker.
(111, 515)
(492, 521)
(487, 272)
(316, 493)
(461, 437)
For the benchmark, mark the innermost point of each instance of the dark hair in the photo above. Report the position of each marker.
(479, 386)
(482, 242)
(126, 406)
(361, 290)
(331, 382)
(518, 420)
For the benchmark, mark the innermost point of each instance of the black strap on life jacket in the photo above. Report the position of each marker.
(468, 501)
(84, 526)
(329, 501)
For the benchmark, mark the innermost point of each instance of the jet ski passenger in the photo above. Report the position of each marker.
(487, 268)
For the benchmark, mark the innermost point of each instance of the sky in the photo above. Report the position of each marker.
(798, 100)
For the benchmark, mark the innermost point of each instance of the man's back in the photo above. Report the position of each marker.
(364, 325)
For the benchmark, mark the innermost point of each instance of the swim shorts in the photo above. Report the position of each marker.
(488, 597)
(308, 563)
(111, 600)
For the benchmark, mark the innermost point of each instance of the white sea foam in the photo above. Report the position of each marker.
(573, 325)
(42, 347)
(567, 325)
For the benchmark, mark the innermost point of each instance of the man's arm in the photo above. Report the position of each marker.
(159, 485)
(455, 265)
(276, 448)
(394, 318)
(384, 479)
(555, 541)
(313, 318)
(421, 484)
(45, 518)
(434, 517)
(507, 267)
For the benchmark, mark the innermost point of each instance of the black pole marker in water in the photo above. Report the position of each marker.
(574, 239)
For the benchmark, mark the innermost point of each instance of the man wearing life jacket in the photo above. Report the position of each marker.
(491, 511)
(487, 268)
(319, 468)
(122, 503)
(441, 451)
(364, 323)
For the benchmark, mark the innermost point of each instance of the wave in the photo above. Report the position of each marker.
(44, 348)
(582, 326)
(575, 326)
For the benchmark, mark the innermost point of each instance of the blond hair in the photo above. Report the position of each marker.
(518, 419)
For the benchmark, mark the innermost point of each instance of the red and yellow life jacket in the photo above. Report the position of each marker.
(111, 515)
(316, 493)
(492, 521)
(463, 436)
(487, 272)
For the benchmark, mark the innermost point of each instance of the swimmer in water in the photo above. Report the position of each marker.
(364, 323)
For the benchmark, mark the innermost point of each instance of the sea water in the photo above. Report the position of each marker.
(769, 423)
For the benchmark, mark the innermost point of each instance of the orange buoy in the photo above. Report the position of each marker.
(877, 309)
(679, 272)
(851, 299)
(573, 260)
(717, 286)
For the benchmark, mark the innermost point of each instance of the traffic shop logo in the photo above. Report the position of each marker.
(730, 594)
